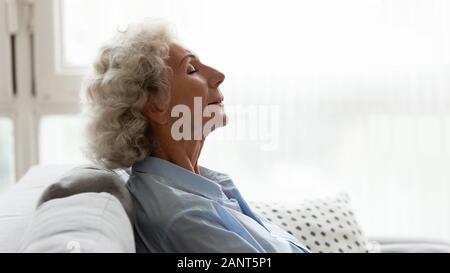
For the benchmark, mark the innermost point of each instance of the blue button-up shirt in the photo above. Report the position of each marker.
(180, 211)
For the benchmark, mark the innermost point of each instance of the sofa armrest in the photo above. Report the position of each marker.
(85, 222)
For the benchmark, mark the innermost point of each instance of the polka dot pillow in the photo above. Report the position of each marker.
(325, 225)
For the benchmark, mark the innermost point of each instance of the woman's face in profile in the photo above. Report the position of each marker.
(190, 79)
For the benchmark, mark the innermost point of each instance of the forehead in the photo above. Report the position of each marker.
(177, 52)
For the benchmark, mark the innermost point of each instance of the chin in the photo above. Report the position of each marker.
(220, 120)
(223, 117)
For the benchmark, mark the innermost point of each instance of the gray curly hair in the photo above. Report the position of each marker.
(130, 72)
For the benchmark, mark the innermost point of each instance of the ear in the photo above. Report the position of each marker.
(156, 114)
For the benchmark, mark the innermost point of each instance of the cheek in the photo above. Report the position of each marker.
(199, 89)
(184, 92)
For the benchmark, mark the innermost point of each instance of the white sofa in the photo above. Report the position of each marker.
(18, 216)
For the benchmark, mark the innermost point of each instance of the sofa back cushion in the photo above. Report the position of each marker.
(81, 223)
(18, 204)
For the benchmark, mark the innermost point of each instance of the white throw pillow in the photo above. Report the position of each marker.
(86, 222)
(323, 225)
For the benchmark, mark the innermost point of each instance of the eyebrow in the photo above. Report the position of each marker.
(189, 55)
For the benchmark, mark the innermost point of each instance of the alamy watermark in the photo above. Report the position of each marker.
(256, 122)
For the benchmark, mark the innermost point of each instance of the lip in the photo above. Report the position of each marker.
(219, 101)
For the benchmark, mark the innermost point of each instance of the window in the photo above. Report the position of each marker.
(7, 157)
(6, 153)
(6, 84)
(60, 139)
(349, 93)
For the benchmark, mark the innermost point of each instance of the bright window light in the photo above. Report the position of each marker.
(60, 139)
(6, 153)
(358, 92)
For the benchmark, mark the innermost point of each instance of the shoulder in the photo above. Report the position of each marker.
(160, 208)
(158, 203)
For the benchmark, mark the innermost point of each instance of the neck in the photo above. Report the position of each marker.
(184, 153)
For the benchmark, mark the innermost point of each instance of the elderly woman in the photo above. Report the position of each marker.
(142, 81)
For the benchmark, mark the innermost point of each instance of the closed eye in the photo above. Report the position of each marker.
(191, 69)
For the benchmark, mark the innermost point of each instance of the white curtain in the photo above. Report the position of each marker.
(350, 94)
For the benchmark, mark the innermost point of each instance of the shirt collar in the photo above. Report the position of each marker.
(207, 184)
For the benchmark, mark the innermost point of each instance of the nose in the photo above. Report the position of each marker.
(216, 78)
